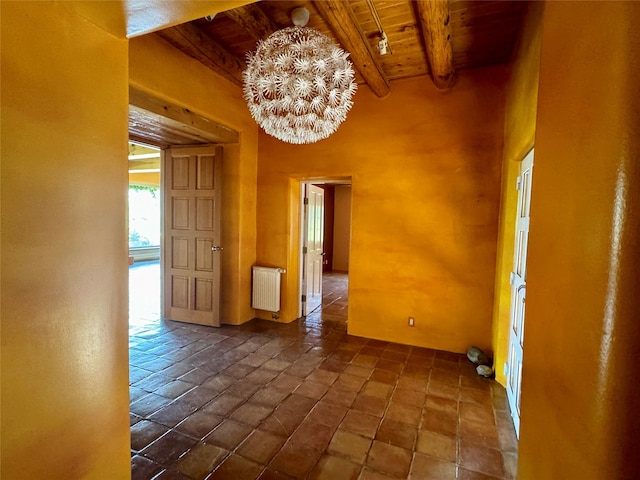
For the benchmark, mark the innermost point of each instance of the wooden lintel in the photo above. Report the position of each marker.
(342, 21)
(253, 20)
(197, 44)
(436, 32)
(162, 131)
(180, 118)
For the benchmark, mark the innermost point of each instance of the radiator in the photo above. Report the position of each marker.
(266, 288)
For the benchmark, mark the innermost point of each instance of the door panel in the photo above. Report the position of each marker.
(179, 291)
(204, 255)
(204, 295)
(518, 290)
(179, 173)
(180, 253)
(205, 173)
(314, 239)
(204, 214)
(179, 213)
(191, 234)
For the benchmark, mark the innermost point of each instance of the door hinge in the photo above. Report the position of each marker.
(518, 183)
(304, 298)
(306, 200)
(304, 250)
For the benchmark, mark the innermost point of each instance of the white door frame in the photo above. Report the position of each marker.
(311, 289)
(518, 282)
(302, 242)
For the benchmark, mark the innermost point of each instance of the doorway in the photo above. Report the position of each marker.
(159, 124)
(325, 239)
(518, 290)
(144, 234)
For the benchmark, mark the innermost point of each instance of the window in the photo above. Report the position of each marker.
(144, 216)
(144, 201)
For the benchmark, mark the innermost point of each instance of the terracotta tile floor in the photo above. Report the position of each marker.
(306, 401)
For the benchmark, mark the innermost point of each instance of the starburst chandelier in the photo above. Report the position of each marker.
(298, 83)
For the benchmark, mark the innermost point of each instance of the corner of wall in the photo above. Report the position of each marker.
(64, 309)
(519, 132)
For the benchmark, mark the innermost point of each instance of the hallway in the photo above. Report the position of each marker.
(335, 297)
(306, 401)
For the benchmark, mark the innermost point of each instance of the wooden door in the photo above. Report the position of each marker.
(518, 290)
(313, 248)
(191, 234)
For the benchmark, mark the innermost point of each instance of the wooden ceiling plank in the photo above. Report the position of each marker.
(194, 42)
(482, 33)
(141, 137)
(182, 116)
(145, 164)
(361, 7)
(436, 31)
(152, 130)
(253, 20)
(344, 25)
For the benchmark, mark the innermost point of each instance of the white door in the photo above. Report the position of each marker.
(313, 248)
(191, 234)
(519, 289)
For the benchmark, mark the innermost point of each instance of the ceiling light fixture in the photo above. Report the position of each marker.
(298, 83)
(383, 44)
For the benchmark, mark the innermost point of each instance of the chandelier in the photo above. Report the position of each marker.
(298, 83)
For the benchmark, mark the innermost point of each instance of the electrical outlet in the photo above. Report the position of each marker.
(412, 322)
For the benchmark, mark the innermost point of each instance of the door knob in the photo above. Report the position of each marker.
(216, 248)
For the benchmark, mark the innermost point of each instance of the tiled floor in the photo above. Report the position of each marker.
(306, 401)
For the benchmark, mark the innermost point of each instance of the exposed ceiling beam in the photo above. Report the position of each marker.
(342, 21)
(436, 32)
(253, 20)
(197, 44)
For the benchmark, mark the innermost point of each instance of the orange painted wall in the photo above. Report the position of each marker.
(189, 83)
(580, 416)
(519, 132)
(425, 170)
(64, 307)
